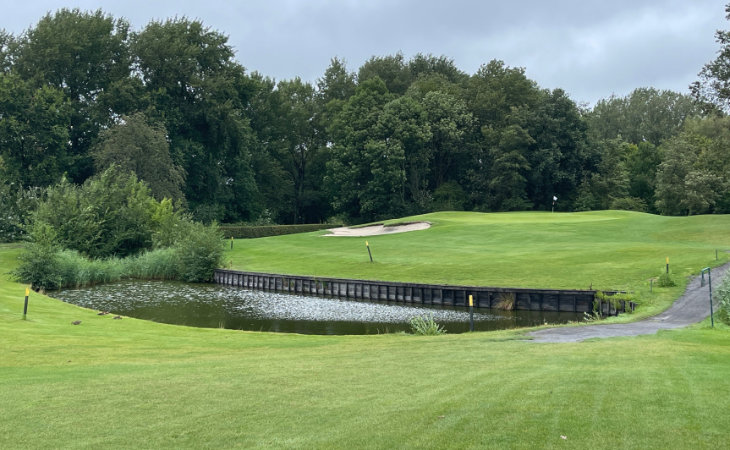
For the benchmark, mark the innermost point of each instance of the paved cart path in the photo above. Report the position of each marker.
(692, 307)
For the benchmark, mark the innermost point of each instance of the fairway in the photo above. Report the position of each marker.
(108, 383)
(608, 250)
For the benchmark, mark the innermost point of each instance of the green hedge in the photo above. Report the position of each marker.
(250, 232)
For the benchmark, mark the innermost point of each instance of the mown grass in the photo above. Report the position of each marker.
(609, 250)
(127, 383)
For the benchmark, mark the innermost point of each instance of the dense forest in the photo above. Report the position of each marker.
(81, 91)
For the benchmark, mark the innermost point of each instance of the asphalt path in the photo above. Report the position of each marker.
(692, 307)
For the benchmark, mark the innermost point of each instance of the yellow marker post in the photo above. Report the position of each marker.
(471, 313)
(667, 264)
(369, 253)
(25, 305)
(231, 242)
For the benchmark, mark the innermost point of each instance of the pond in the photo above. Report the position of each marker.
(219, 306)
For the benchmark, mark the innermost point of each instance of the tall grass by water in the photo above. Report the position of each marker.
(76, 270)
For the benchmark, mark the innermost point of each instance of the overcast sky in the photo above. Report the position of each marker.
(591, 49)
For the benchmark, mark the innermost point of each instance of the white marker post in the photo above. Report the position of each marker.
(555, 199)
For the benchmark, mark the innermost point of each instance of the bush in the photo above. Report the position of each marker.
(629, 204)
(449, 197)
(113, 214)
(200, 253)
(16, 208)
(39, 263)
(426, 326)
(722, 294)
(665, 280)
(79, 234)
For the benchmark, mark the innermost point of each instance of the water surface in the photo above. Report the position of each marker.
(219, 306)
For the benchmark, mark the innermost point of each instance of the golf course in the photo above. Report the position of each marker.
(70, 378)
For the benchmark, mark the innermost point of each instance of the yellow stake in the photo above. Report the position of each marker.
(471, 300)
(25, 304)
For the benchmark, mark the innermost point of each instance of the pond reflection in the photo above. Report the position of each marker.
(219, 306)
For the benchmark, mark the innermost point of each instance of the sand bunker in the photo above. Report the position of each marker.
(375, 230)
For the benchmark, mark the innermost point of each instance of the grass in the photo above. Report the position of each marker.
(129, 383)
(608, 250)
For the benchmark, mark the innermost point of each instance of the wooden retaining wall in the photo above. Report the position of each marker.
(426, 294)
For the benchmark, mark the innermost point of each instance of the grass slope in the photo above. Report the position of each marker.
(129, 383)
(609, 250)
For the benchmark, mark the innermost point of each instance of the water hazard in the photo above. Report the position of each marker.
(219, 306)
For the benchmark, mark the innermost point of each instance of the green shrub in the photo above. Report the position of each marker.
(39, 262)
(200, 253)
(426, 326)
(112, 214)
(629, 204)
(665, 280)
(449, 196)
(722, 294)
(106, 230)
(16, 208)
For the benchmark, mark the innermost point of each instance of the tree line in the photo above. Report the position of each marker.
(81, 92)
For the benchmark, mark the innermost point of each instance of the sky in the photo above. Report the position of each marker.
(591, 49)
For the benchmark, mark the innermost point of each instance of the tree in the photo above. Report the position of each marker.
(403, 134)
(713, 87)
(422, 66)
(17, 204)
(499, 98)
(82, 54)
(392, 70)
(600, 189)
(348, 169)
(297, 141)
(336, 83)
(7, 44)
(450, 124)
(645, 115)
(508, 182)
(496, 89)
(558, 156)
(677, 173)
(694, 176)
(136, 145)
(642, 162)
(34, 133)
(199, 92)
(382, 195)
